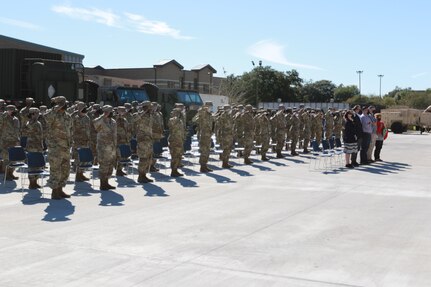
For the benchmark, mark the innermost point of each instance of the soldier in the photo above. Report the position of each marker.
(106, 128)
(143, 123)
(279, 122)
(42, 111)
(94, 113)
(307, 130)
(248, 132)
(319, 127)
(176, 139)
(238, 127)
(204, 121)
(217, 115)
(265, 133)
(288, 117)
(158, 129)
(225, 124)
(294, 133)
(81, 135)
(329, 124)
(33, 130)
(23, 113)
(123, 135)
(10, 128)
(59, 125)
(338, 126)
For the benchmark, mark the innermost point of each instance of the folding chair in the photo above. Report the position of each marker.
(17, 158)
(23, 142)
(86, 160)
(134, 148)
(125, 157)
(35, 166)
(320, 156)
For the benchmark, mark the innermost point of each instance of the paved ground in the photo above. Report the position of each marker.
(270, 224)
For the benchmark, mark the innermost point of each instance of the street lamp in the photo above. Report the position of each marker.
(359, 73)
(257, 91)
(380, 76)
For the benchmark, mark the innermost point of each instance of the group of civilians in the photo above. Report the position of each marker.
(364, 132)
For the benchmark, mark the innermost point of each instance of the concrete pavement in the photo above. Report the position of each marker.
(270, 224)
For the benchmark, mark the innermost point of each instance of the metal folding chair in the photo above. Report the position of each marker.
(35, 166)
(86, 159)
(17, 159)
(125, 158)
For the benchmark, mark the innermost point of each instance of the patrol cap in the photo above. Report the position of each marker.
(121, 109)
(154, 104)
(43, 108)
(33, 111)
(177, 105)
(107, 108)
(281, 107)
(10, 108)
(226, 107)
(80, 106)
(96, 107)
(146, 104)
(249, 107)
(29, 100)
(59, 101)
(128, 105)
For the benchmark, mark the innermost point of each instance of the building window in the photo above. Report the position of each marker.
(190, 86)
(206, 88)
(171, 84)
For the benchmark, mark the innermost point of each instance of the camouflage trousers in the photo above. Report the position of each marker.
(318, 137)
(328, 134)
(75, 147)
(204, 148)
(306, 140)
(280, 137)
(106, 155)
(176, 154)
(59, 166)
(295, 138)
(248, 146)
(265, 144)
(226, 146)
(145, 154)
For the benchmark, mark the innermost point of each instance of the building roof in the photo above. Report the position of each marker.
(203, 66)
(165, 62)
(12, 43)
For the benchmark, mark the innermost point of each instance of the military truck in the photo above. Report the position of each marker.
(401, 119)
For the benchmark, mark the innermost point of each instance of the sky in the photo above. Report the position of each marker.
(321, 39)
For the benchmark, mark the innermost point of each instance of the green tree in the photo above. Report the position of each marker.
(343, 93)
(320, 91)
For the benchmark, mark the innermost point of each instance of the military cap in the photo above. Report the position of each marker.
(59, 101)
(10, 108)
(80, 106)
(281, 107)
(33, 110)
(128, 105)
(146, 104)
(43, 108)
(179, 105)
(226, 106)
(96, 107)
(134, 103)
(29, 99)
(107, 108)
(121, 109)
(249, 107)
(154, 104)
(240, 106)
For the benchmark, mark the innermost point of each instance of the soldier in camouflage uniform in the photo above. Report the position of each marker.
(288, 118)
(319, 127)
(106, 128)
(338, 126)
(279, 122)
(123, 136)
(10, 129)
(265, 133)
(329, 124)
(294, 133)
(59, 125)
(176, 140)
(23, 113)
(93, 114)
(33, 130)
(238, 126)
(204, 121)
(158, 129)
(217, 115)
(307, 130)
(247, 118)
(143, 122)
(225, 125)
(81, 135)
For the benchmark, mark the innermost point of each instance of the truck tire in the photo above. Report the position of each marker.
(397, 128)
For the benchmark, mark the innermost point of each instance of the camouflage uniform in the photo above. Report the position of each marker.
(265, 133)
(204, 122)
(279, 122)
(9, 125)
(158, 129)
(307, 130)
(319, 127)
(176, 140)
(225, 124)
(106, 129)
(94, 113)
(81, 135)
(238, 127)
(338, 125)
(23, 113)
(59, 125)
(329, 124)
(248, 132)
(143, 123)
(294, 133)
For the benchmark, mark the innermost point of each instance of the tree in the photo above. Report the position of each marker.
(343, 93)
(320, 91)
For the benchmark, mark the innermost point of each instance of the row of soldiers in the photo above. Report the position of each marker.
(62, 129)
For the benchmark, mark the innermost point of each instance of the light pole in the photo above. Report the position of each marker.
(257, 92)
(359, 73)
(380, 76)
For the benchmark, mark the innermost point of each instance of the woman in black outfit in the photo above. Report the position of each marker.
(349, 138)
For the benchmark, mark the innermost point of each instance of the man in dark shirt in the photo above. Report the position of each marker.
(358, 128)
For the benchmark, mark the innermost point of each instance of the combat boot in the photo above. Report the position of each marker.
(248, 161)
(153, 168)
(104, 184)
(264, 157)
(9, 175)
(120, 172)
(279, 154)
(203, 168)
(33, 183)
(62, 193)
(294, 153)
(208, 169)
(175, 173)
(80, 177)
(306, 150)
(226, 164)
(55, 194)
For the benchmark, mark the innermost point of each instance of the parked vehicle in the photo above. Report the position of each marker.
(400, 120)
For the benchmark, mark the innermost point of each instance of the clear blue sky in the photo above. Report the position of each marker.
(328, 40)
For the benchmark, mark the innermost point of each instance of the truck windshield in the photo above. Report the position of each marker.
(130, 95)
(189, 98)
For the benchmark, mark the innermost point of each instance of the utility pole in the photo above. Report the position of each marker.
(359, 73)
(380, 76)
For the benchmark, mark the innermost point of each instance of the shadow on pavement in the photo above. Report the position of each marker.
(240, 172)
(83, 189)
(58, 210)
(261, 167)
(219, 178)
(110, 198)
(154, 190)
(124, 181)
(186, 182)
